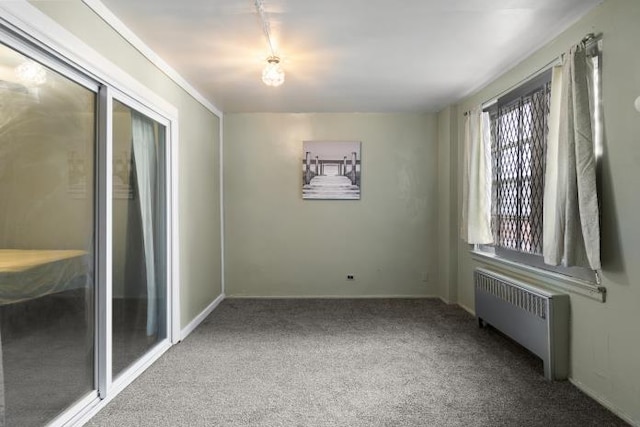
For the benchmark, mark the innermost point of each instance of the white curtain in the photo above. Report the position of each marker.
(571, 232)
(145, 158)
(476, 184)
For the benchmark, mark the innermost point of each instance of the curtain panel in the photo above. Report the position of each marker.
(571, 232)
(476, 185)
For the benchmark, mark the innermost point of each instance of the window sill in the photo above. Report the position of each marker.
(551, 279)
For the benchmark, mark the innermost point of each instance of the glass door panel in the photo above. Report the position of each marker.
(139, 303)
(47, 316)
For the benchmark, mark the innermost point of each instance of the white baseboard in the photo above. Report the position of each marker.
(467, 309)
(200, 317)
(604, 402)
(446, 301)
(331, 296)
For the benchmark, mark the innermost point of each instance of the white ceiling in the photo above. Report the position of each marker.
(345, 55)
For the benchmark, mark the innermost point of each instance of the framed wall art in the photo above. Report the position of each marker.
(331, 170)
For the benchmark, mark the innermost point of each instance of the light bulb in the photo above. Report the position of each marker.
(637, 104)
(31, 73)
(273, 75)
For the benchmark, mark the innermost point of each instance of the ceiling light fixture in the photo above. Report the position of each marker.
(273, 74)
(31, 73)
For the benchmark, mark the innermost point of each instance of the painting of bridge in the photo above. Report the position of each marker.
(331, 170)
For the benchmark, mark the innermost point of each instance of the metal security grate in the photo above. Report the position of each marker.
(519, 138)
(512, 294)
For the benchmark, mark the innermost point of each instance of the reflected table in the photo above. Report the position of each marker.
(27, 274)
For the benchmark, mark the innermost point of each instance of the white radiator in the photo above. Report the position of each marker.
(536, 318)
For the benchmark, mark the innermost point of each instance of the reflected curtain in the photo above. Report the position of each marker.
(476, 185)
(571, 232)
(145, 159)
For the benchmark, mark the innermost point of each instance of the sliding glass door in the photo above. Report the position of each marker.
(47, 229)
(84, 237)
(139, 296)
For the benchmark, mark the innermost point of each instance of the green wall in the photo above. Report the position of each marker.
(278, 244)
(605, 337)
(198, 179)
(447, 225)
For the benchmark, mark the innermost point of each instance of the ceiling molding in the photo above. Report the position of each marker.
(114, 22)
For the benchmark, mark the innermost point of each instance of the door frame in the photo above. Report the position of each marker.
(107, 384)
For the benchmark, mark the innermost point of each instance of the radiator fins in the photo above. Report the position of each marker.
(514, 295)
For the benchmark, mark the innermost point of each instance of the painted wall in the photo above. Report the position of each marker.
(280, 245)
(198, 155)
(605, 337)
(447, 225)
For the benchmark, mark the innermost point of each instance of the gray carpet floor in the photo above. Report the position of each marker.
(348, 363)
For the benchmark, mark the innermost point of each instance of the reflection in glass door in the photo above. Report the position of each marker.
(139, 303)
(47, 162)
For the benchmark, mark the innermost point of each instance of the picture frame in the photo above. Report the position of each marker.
(331, 170)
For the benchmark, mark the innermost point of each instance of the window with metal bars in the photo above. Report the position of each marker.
(518, 148)
(519, 129)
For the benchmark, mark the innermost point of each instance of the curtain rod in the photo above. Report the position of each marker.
(589, 40)
(556, 61)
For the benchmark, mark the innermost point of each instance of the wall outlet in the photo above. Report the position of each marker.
(350, 277)
(424, 276)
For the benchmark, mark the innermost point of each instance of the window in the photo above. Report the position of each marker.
(519, 138)
(519, 130)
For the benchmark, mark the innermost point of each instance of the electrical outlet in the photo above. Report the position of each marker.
(424, 276)
(350, 277)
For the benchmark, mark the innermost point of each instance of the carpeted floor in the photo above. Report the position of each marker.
(348, 363)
